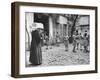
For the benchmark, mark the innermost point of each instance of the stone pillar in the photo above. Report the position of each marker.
(50, 28)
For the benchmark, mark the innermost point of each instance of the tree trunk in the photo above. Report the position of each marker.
(73, 26)
(73, 29)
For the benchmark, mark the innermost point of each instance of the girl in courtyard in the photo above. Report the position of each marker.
(86, 42)
(66, 42)
(74, 42)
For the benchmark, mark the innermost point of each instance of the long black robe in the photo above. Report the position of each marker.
(35, 50)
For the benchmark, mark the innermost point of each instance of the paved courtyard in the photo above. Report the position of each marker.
(56, 55)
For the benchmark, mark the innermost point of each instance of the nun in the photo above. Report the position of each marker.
(35, 48)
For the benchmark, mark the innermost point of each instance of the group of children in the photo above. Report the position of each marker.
(79, 42)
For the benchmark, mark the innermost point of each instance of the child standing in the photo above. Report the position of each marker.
(66, 42)
(86, 43)
(74, 43)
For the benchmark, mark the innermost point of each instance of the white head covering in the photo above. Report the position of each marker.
(36, 25)
(39, 25)
(33, 27)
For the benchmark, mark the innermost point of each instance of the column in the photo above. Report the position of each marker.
(50, 28)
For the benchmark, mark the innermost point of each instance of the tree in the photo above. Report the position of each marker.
(73, 26)
(73, 20)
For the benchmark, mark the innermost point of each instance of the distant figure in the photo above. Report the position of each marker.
(74, 42)
(66, 42)
(57, 39)
(86, 42)
(47, 41)
(44, 40)
(81, 42)
(35, 50)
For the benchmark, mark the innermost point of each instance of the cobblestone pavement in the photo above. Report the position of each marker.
(56, 55)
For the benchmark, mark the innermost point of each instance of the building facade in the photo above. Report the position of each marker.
(55, 24)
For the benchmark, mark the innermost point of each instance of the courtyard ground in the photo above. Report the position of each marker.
(56, 55)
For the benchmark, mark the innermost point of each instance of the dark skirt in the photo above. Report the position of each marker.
(36, 55)
(35, 49)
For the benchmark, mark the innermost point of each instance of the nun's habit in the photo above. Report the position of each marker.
(35, 49)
